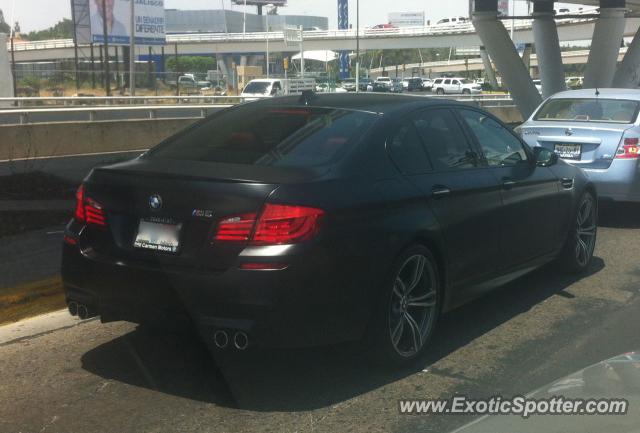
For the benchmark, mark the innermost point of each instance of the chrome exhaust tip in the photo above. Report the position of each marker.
(241, 340)
(221, 339)
(83, 312)
(73, 308)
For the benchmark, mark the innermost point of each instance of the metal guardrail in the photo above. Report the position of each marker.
(98, 101)
(116, 108)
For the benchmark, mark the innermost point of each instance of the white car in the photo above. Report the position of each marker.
(452, 21)
(387, 81)
(455, 85)
(538, 84)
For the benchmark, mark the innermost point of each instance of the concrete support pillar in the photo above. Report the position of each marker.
(605, 47)
(545, 36)
(223, 66)
(526, 56)
(243, 60)
(488, 68)
(628, 73)
(6, 79)
(500, 47)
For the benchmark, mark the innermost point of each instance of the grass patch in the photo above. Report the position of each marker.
(32, 299)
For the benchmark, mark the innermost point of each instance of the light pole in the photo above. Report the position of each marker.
(244, 19)
(132, 51)
(357, 46)
(269, 6)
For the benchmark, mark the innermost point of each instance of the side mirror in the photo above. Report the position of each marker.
(544, 157)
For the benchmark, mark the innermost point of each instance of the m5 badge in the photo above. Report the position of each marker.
(202, 213)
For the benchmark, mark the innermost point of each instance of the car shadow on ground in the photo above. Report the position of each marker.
(303, 379)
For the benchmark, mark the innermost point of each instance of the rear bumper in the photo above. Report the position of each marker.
(619, 182)
(313, 302)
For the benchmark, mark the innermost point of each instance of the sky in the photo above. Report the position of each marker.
(41, 14)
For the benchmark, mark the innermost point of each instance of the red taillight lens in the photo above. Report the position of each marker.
(88, 210)
(236, 229)
(629, 149)
(79, 214)
(277, 224)
(280, 224)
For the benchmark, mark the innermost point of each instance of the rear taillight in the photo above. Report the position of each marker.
(88, 210)
(630, 149)
(277, 224)
(236, 229)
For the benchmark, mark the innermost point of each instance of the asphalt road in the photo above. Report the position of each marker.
(91, 377)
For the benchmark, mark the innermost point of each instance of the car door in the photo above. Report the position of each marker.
(456, 86)
(534, 209)
(463, 195)
(446, 85)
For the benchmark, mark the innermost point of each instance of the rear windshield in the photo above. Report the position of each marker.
(589, 110)
(257, 87)
(270, 136)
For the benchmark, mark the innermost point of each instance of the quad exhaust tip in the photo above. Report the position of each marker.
(221, 339)
(240, 340)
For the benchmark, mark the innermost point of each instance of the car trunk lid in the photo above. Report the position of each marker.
(585, 145)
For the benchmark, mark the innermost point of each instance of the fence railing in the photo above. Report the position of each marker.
(97, 101)
(77, 109)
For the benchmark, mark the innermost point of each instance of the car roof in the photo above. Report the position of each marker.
(603, 93)
(383, 103)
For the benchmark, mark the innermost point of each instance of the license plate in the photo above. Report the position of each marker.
(569, 151)
(158, 235)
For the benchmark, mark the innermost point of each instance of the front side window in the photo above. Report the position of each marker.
(589, 110)
(445, 143)
(272, 136)
(500, 147)
(447, 81)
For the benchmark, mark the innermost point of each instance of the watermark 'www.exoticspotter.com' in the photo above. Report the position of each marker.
(523, 406)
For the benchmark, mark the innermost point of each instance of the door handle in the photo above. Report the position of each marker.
(439, 191)
(508, 183)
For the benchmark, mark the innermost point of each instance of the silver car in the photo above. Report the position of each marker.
(596, 130)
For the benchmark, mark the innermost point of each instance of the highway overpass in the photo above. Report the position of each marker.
(465, 35)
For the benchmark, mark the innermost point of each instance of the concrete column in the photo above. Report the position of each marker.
(605, 47)
(545, 35)
(503, 52)
(628, 73)
(243, 60)
(223, 67)
(488, 68)
(6, 79)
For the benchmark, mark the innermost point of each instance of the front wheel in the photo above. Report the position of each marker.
(409, 307)
(466, 91)
(581, 240)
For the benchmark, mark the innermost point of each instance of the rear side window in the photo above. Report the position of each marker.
(271, 136)
(406, 150)
(589, 110)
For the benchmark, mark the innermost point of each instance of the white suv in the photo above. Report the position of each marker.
(455, 85)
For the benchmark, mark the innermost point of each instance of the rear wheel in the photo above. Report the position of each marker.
(409, 307)
(440, 91)
(581, 240)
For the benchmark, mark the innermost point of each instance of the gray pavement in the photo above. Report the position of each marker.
(117, 377)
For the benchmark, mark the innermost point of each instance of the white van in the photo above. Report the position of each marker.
(452, 21)
(271, 87)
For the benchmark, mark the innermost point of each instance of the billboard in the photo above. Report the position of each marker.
(343, 24)
(503, 7)
(406, 19)
(149, 21)
(261, 2)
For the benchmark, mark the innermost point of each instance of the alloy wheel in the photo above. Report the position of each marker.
(585, 230)
(413, 304)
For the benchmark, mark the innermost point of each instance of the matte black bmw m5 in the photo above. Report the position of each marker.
(320, 219)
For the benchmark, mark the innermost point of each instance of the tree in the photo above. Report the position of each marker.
(191, 64)
(62, 30)
(4, 27)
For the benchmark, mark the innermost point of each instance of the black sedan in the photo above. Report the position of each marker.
(317, 219)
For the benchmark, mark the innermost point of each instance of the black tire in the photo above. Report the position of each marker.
(577, 254)
(466, 91)
(439, 91)
(398, 326)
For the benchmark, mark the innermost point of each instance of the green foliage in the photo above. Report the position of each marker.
(4, 27)
(62, 30)
(191, 64)
(31, 82)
